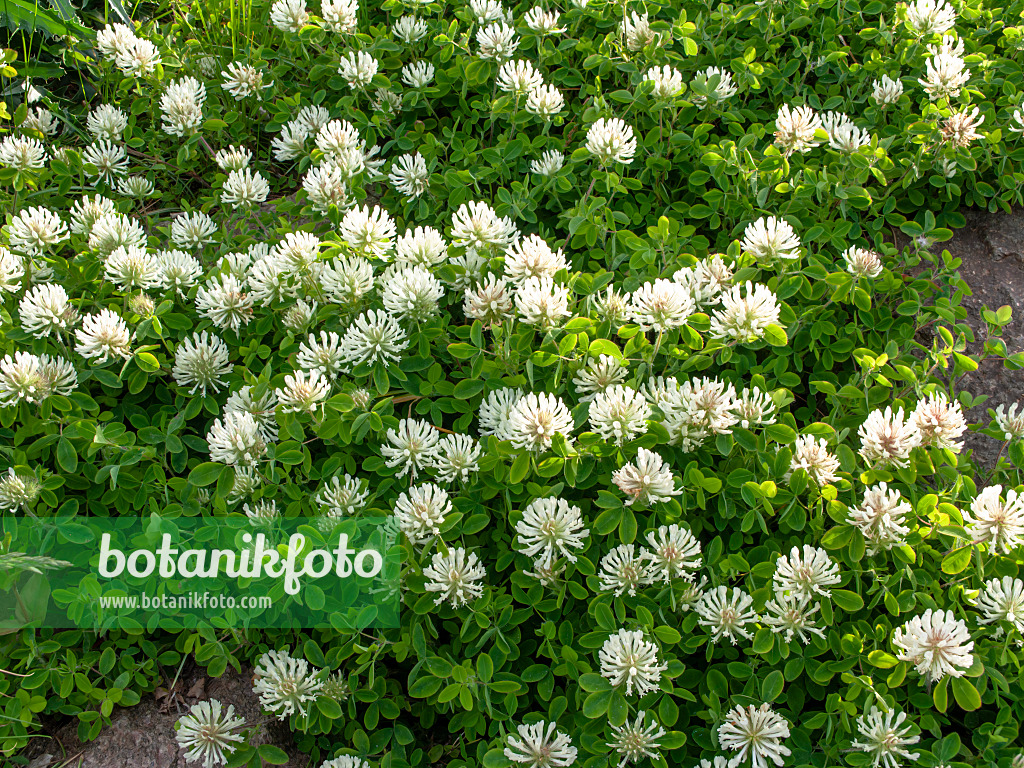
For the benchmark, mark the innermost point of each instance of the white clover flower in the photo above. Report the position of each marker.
(33, 378)
(674, 553)
(936, 643)
(610, 140)
(486, 11)
(661, 305)
(887, 438)
(534, 420)
(236, 439)
(885, 737)
(998, 523)
(1017, 124)
(286, 685)
(303, 392)
(369, 231)
(325, 186)
(410, 29)
(412, 294)
(291, 144)
(114, 40)
(470, 268)
(138, 187)
(455, 576)
(413, 446)
(323, 355)
(627, 658)
(636, 29)
(811, 454)
(423, 246)
(45, 309)
(182, 106)
(347, 280)
(22, 153)
(881, 518)
(939, 422)
(261, 408)
(599, 374)
(113, 231)
(358, 69)
(532, 257)
(201, 362)
(744, 318)
(345, 761)
(540, 745)
(542, 302)
(646, 481)
(132, 268)
(476, 226)
(846, 137)
(409, 175)
(542, 22)
(224, 301)
(41, 120)
(548, 164)
(545, 101)
(1002, 600)
(754, 408)
(457, 457)
(418, 74)
(35, 230)
(495, 410)
(18, 491)
(109, 159)
(233, 158)
(755, 732)
(550, 528)
(795, 128)
(374, 337)
(209, 733)
(340, 16)
(1010, 422)
(243, 80)
(861, 262)
(725, 89)
(497, 41)
(929, 17)
(945, 75)
(261, 512)
(88, 210)
(805, 572)
(790, 613)
(289, 15)
(624, 570)
(886, 91)
(244, 188)
(342, 496)
(770, 238)
(421, 510)
(518, 78)
(726, 615)
(961, 128)
(140, 59)
(619, 413)
(192, 230)
(612, 306)
(490, 301)
(668, 81)
(635, 741)
(103, 336)
(12, 270)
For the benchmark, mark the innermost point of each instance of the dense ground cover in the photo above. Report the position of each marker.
(602, 301)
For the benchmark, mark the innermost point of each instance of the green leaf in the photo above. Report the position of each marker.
(775, 335)
(205, 474)
(882, 660)
(966, 694)
(763, 640)
(330, 708)
(495, 758)
(520, 468)
(597, 703)
(849, 601)
(67, 457)
(772, 685)
(467, 388)
(274, 755)
(957, 560)
(462, 351)
(147, 362)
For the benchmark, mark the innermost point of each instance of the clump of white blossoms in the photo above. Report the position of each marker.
(34, 230)
(619, 414)
(887, 438)
(1010, 422)
(340, 15)
(497, 41)
(209, 733)
(637, 740)
(647, 480)
(792, 614)
(289, 15)
(1002, 600)
(945, 74)
(182, 106)
(286, 685)
(243, 80)
(724, 89)
(45, 309)
(661, 305)
(491, 301)
(457, 457)
(611, 140)
(996, 522)
(550, 528)
(881, 518)
(811, 454)
(795, 129)
(542, 302)
(22, 153)
(623, 570)
(33, 378)
(727, 613)
(110, 160)
(627, 659)
(303, 392)
(260, 408)
(636, 29)
(929, 17)
(421, 510)
(342, 496)
(806, 572)
(192, 230)
(861, 262)
(540, 745)
(535, 418)
(545, 101)
(939, 422)
(667, 81)
(413, 447)
(518, 77)
(104, 336)
(224, 301)
(233, 158)
(674, 553)
(755, 733)
(936, 643)
(18, 491)
(770, 238)
(886, 91)
(244, 188)
(598, 375)
(200, 363)
(455, 576)
(548, 164)
(409, 175)
(412, 294)
(236, 439)
(476, 226)
(961, 128)
(885, 737)
(745, 317)
(374, 337)
(532, 257)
